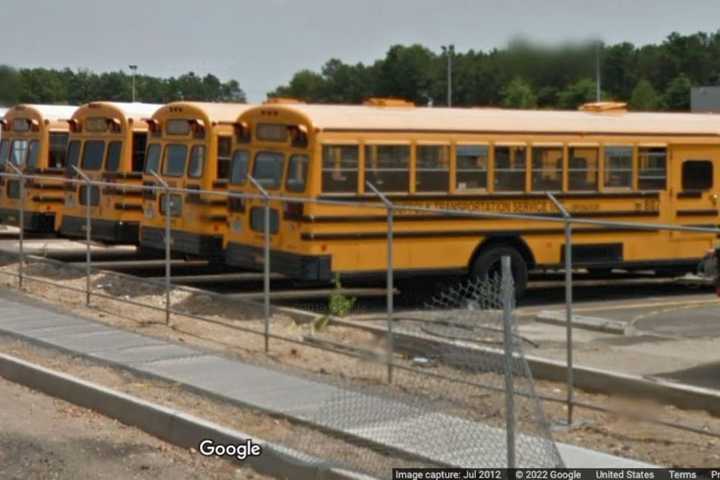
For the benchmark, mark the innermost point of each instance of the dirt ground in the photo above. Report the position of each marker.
(225, 331)
(44, 438)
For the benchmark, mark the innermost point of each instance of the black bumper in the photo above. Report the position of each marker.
(32, 221)
(101, 230)
(206, 246)
(299, 267)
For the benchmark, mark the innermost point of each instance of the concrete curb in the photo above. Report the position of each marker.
(587, 378)
(594, 324)
(172, 426)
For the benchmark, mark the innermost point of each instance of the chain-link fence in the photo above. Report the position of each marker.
(430, 403)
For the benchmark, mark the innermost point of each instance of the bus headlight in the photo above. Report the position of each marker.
(236, 225)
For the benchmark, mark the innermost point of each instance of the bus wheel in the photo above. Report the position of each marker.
(488, 264)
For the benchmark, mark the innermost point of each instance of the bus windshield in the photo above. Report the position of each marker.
(175, 159)
(268, 169)
(153, 158)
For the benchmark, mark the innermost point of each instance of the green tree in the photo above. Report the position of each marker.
(519, 94)
(644, 97)
(305, 85)
(677, 94)
(576, 94)
(406, 72)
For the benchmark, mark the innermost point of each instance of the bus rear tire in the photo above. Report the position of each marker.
(488, 263)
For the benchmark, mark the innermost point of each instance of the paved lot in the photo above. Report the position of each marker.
(671, 337)
(42, 438)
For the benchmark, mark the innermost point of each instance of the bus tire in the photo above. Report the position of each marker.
(488, 262)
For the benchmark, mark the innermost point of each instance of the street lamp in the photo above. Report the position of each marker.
(598, 79)
(133, 68)
(448, 52)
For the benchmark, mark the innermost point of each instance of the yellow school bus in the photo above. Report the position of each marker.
(601, 163)
(190, 147)
(107, 142)
(34, 140)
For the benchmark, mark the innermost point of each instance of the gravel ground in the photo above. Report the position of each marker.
(44, 438)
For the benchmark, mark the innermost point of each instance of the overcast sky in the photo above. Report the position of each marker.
(262, 43)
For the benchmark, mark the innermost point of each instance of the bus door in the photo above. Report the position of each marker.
(173, 166)
(268, 170)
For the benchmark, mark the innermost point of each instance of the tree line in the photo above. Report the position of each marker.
(523, 75)
(76, 87)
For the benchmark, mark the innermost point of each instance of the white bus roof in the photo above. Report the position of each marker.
(135, 110)
(52, 113)
(496, 120)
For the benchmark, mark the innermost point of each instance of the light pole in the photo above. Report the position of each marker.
(448, 52)
(133, 69)
(597, 71)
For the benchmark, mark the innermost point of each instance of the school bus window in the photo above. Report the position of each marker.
(297, 173)
(4, 152)
(652, 174)
(96, 124)
(73, 156)
(510, 165)
(386, 167)
(472, 167)
(239, 167)
(93, 153)
(153, 158)
(268, 169)
(271, 132)
(547, 168)
(33, 154)
(21, 125)
(57, 150)
(175, 160)
(340, 168)
(113, 156)
(224, 155)
(432, 168)
(583, 168)
(697, 175)
(618, 167)
(197, 161)
(177, 127)
(19, 152)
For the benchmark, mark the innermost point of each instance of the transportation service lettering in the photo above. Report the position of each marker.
(498, 206)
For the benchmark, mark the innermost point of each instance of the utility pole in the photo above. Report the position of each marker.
(133, 69)
(448, 52)
(598, 76)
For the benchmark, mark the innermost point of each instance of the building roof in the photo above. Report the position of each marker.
(399, 118)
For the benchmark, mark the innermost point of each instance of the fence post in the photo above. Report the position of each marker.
(168, 242)
(266, 259)
(88, 233)
(21, 224)
(390, 287)
(568, 307)
(508, 297)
